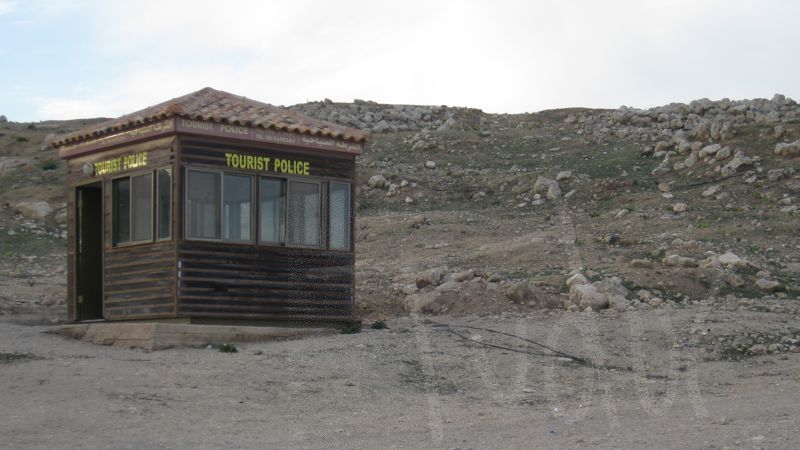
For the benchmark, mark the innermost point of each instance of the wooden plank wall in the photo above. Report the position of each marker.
(249, 281)
(259, 282)
(138, 280)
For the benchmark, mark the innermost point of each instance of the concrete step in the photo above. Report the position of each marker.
(159, 336)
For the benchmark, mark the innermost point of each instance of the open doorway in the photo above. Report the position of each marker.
(89, 252)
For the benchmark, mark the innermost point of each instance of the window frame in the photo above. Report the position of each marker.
(157, 215)
(222, 208)
(285, 182)
(322, 242)
(323, 186)
(130, 241)
(221, 205)
(349, 218)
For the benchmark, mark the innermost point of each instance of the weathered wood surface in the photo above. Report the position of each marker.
(139, 281)
(225, 280)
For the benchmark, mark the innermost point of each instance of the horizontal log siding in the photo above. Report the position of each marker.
(247, 281)
(140, 281)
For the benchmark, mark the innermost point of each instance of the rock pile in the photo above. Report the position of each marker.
(382, 118)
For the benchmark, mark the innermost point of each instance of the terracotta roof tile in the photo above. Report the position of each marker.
(219, 106)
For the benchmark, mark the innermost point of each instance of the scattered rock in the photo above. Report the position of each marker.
(430, 164)
(431, 277)
(711, 191)
(564, 175)
(758, 349)
(578, 278)
(767, 285)
(466, 275)
(788, 149)
(680, 207)
(542, 185)
(519, 293)
(587, 296)
(679, 261)
(723, 153)
(553, 192)
(612, 286)
(642, 264)
(33, 210)
(377, 182)
(662, 168)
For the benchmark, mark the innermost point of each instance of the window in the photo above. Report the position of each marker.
(304, 214)
(237, 200)
(295, 212)
(202, 205)
(121, 193)
(219, 206)
(273, 207)
(142, 208)
(133, 209)
(339, 216)
(164, 203)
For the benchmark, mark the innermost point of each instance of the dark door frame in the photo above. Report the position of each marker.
(89, 272)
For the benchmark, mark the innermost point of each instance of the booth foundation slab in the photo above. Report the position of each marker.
(160, 336)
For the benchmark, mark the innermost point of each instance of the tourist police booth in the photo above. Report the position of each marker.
(211, 207)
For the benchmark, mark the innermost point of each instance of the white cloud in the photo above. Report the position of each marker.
(503, 56)
(7, 6)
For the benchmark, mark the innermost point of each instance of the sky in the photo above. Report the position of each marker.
(80, 58)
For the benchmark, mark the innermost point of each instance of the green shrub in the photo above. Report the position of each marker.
(379, 325)
(227, 348)
(49, 165)
(352, 328)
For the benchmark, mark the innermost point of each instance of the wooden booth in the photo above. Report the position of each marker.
(211, 207)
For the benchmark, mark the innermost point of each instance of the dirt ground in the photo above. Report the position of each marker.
(659, 378)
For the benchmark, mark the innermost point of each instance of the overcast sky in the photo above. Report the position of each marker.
(80, 58)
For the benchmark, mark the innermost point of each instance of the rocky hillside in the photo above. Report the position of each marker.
(466, 212)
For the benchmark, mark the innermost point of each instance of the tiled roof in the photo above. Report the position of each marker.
(219, 106)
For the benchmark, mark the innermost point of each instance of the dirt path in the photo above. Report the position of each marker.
(415, 385)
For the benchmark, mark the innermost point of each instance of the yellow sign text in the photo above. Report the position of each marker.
(120, 163)
(268, 164)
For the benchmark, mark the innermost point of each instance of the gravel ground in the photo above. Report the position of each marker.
(656, 379)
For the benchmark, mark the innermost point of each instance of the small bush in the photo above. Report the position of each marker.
(352, 328)
(379, 325)
(22, 139)
(227, 348)
(49, 165)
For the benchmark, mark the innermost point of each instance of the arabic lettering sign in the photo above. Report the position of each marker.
(270, 136)
(152, 130)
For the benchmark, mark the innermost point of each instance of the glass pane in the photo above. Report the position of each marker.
(304, 214)
(122, 210)
(339, 213)
(202, 205)
(142, 208)
(273, 205)
(237, 191)
(164, 203)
